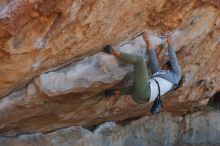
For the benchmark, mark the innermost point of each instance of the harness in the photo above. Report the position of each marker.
(158, 104)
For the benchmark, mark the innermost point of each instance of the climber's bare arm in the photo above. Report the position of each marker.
(152, 54)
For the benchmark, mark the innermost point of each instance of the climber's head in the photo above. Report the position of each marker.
(167, 66)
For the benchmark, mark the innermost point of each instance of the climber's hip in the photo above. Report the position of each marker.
(140, 95)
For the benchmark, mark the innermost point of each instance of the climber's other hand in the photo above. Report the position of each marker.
(147, 40)
(169, 40)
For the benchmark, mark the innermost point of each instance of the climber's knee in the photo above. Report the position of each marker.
(140, 100)
(141, 97)
(139, 60)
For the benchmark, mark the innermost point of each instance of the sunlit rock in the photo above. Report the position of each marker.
(53, 73)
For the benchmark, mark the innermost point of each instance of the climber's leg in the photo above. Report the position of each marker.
(126, 90)
(141, 89)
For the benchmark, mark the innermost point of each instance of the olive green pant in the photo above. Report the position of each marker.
(140, 90)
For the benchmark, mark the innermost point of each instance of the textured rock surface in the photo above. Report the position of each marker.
(37, 37)
(198, 129)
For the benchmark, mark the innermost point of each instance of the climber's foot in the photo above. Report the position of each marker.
(108, 49)
(109, 92)
(157, 105)
(112, 92)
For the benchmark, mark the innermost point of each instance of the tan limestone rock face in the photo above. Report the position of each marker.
(37, 36)
(40, 40)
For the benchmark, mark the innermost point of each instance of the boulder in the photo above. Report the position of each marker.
(53, 73)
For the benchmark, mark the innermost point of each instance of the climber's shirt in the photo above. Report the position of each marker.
(165, 86)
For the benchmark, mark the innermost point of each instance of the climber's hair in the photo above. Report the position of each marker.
(167, 66)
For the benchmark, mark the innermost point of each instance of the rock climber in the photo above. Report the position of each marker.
(145, 89)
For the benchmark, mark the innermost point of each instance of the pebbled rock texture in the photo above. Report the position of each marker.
(52, 76)
(197, 129)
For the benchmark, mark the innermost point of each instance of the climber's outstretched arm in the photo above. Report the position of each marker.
(172, 56)
(154, 65)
